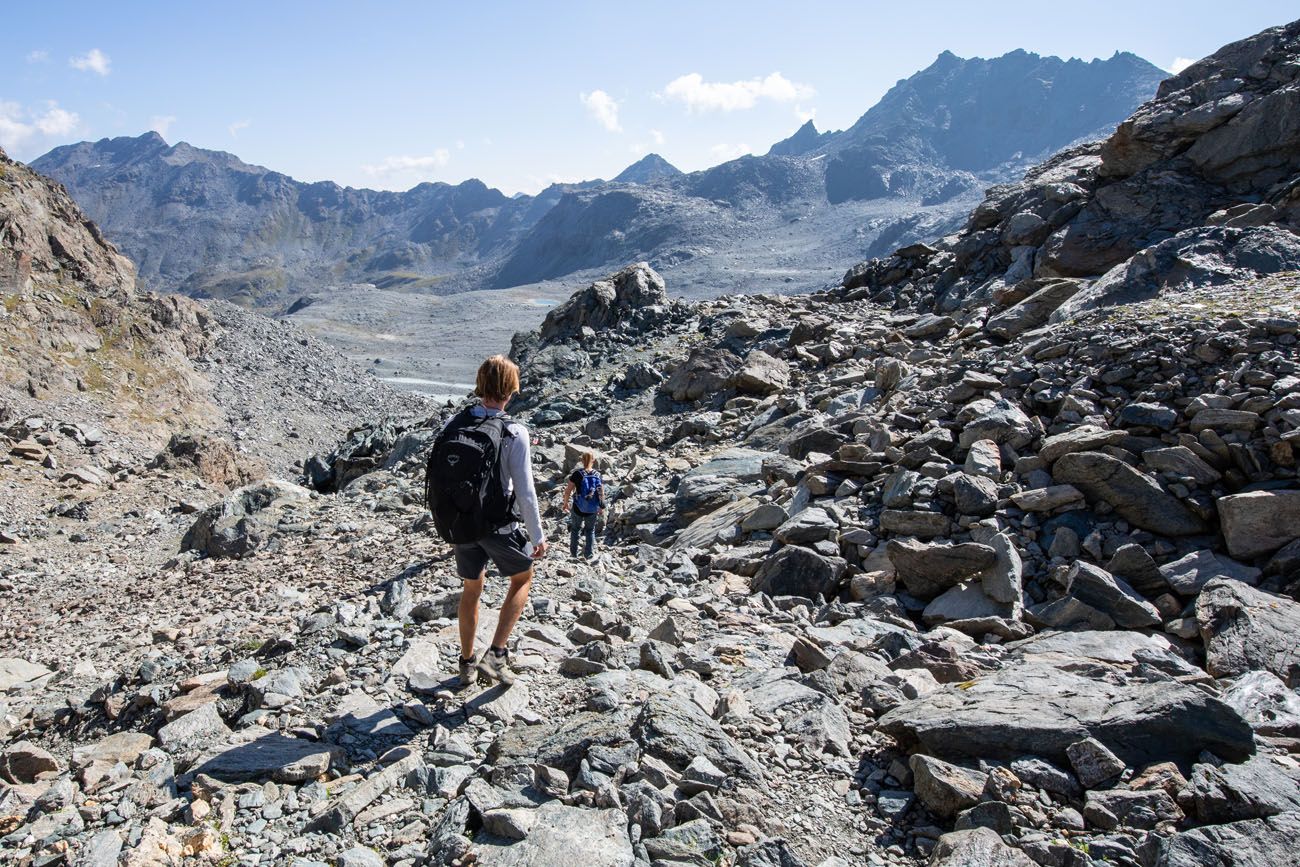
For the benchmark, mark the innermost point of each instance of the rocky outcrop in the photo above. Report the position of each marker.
(626, 301)
(1246, 629)
(245, 521)
(1195, 189)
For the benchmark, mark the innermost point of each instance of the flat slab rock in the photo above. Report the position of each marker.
(1267, 842)
(562, 835)
(928, 570)
(1135, 496)
(1259, 522)
(1040, 704)
(19, 674)
(978, 847)
(250, 757)
(1245, 629)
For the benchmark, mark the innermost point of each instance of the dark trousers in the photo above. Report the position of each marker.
(585, 524)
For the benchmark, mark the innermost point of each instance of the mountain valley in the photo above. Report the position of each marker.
(984, 552)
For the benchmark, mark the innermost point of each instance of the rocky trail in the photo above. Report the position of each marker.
(965, 562)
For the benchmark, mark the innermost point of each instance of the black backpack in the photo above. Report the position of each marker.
(463, 481)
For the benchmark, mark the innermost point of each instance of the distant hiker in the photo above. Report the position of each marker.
(479, 486)
(586, 493)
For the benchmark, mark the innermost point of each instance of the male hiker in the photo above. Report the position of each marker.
(479, 486)
(586, 492)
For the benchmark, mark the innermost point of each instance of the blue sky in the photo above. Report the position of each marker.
(522, 94)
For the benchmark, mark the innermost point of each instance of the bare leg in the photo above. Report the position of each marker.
(512, 607)
(467, 614)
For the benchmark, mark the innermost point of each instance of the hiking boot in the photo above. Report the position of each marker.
(467, 673)
(496, 666)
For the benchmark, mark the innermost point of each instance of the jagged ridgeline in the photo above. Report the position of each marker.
(988, 555)
(208, 225)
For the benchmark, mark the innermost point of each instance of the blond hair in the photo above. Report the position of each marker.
(497, 380)
(588, 460)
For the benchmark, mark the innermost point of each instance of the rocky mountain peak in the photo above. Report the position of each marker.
(647, 170)
(1196, 188)
(804, 140)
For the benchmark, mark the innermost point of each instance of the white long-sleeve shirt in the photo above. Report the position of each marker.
(516, 456)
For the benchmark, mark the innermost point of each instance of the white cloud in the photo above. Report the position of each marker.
(603, 108)
(804, 116)
(701, 95)
(20, 126)
(93, 60)
(238, 125)
(726, 152)
(160, 123)
(56, 121)
(38, 56)
(639, 149)
(1179, 64)
(13, 131)
(658, 137)
(460, 144)
(410, 170)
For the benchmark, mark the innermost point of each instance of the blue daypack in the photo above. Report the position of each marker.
(587, 499)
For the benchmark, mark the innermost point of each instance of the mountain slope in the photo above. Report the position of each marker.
(1196, 189)
(209, 225)
(84, 346)
(647, 170)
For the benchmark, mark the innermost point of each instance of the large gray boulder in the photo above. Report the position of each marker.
(809, 718)
(1135, 496)
(1110, 595)
(1245, 629)
(1034, 310)
(797, 571)
(677, 732)
(1001, 421)
(271, 756)
(762, 374)
(244, 521)
(558, 835)
(1254, 789)
(1196, 257)
(945, 789)
(705, 372)
(1189, 574)
(977, 847)
(928, 570)
(1041, 704)
(1264, 701)
(1259, 522)
(1253, 843)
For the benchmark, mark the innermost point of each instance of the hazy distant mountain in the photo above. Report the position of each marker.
(204, 223)
(647, 170)
(978, 115)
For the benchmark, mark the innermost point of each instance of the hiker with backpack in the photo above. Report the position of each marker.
(479, 488)
(585, 492)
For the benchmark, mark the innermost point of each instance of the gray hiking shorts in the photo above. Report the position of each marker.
(507, 550)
